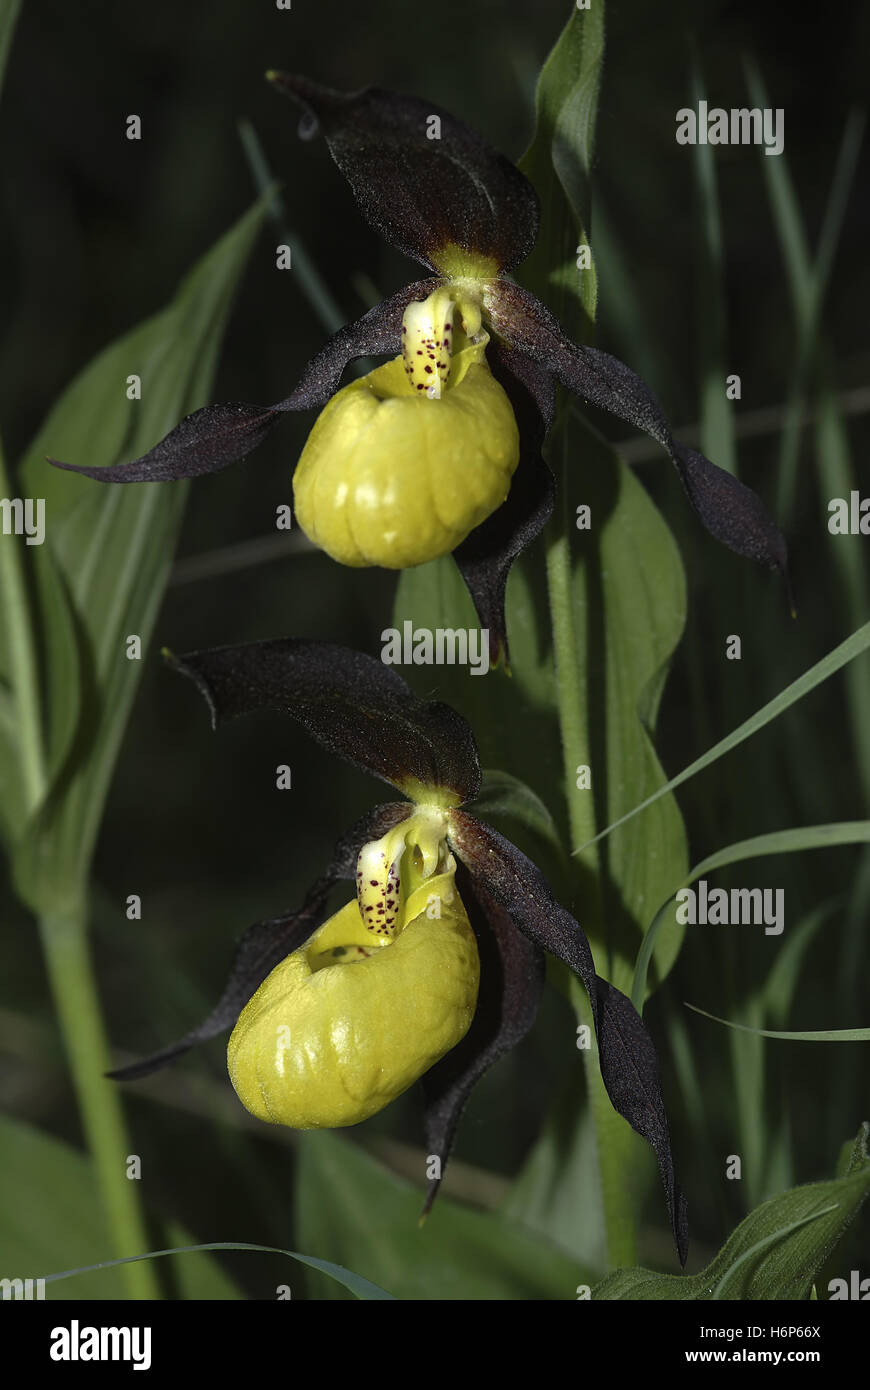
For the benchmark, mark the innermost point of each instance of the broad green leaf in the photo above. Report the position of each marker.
(778, 842)
(51, 1215)
(566, 105)
(774, 1253)
(104, 564)
(357, 1213)
(629, 608)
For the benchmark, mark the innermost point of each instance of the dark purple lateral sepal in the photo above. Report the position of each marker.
(511, 981)
(267, 943)
(421, 193)
(351, 703)
(627, 1056)
(205, 442)
(728, 509)
(486, 555)
(215, 436)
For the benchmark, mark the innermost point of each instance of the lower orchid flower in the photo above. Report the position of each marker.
(439, 450)
(435, 969)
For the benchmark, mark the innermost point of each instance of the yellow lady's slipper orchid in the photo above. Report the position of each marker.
(380, 993)
(403, 463)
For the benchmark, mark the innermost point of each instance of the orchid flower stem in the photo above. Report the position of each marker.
(65, 946)
(71, 975)
(614, 1139)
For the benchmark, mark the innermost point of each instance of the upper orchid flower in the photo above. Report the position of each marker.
(435, 969)
(439, 450)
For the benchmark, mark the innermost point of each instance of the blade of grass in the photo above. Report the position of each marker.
(847, 651)
(807, 276)
(779, 842)
(361, 1288)
(819, 1035)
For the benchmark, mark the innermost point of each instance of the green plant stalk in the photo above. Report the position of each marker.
(22, 660)
(71, 975)
(613, 1137)
(67, 957)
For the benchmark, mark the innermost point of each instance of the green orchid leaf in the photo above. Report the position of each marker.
(83, 622)
(628, 606)
(775, 1252)
(566, 103)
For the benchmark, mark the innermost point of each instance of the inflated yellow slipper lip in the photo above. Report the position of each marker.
(345, 1024)
(390, 477)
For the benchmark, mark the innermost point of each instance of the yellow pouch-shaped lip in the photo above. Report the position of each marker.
(321, 1044)
(389, 477)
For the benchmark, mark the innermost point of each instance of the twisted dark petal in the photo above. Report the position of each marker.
(486, 555)
(217, 435)
(727, 508)
(350, 703)
(511, 981)
(730, 511)
(626, 1052)
(422, 193)
(266, 944)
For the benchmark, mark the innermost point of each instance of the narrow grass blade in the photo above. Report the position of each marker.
(779, 842)
(804, 1035)
(361, 1288)
(847, 651)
